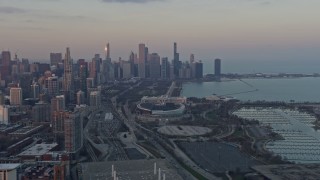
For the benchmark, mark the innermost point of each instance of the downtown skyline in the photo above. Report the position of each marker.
(233, 30)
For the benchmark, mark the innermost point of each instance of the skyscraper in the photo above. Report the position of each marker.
(58, 103)
(55, 58)
(35, 90)
(4, 114)
(16, 96)
(52, 84)
(83, 75)
(41, 112)
(5, 68)
(198, 70)
(142, 61)
(95, 68)
(81, 99)
(95, 99)
(217, 68)
(191, 58)
(107, 49)
(154, 65)
(67, 77)
(165, 68)
(176, 61)
(73, 135)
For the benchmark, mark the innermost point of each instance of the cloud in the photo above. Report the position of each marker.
(130, 1)
(11, 10)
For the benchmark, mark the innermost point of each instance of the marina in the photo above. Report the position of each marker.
(300, 144)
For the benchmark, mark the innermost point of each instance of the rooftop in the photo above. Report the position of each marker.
(133, 169)
(8, 166)
(38, 150)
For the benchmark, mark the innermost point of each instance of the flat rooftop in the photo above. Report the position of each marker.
(38, 150)
(132, 169)
(25, 130)
(8, 166)
(289, 171)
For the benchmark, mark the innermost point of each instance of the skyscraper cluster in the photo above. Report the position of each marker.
(50, 94)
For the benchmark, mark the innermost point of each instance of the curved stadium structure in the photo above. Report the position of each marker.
(165, 109)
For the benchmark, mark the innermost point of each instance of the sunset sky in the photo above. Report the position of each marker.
(235, 30)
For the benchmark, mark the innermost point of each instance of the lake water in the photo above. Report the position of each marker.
(285, 89)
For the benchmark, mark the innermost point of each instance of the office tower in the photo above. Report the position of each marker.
(41, 112)
(217, 68)
(198, 70)
(171, 71)
(15, 71)
(25, 80)
(154, 66)
(81, 99)
(5, 68)
(165, 68)
(90, 83)
(83, 75)
(55, 59)
(73, 135)
(52, 85)
(1, 98)
(132, 62)
(35, 90)
(24, 66)
(57, 121)
(191, 58)
(107, 49)
(142, 61)
(4, 114)
(117, 70)
(95, 98)
(176, 61)
(67, 77)
(185, 71)
(43, 67)
(16, 96)
(95, 68)
(34, 68)
(126, 69)
(58, 103)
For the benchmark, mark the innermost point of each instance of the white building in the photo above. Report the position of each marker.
(4, 114)
(16, 96)
(9, 171)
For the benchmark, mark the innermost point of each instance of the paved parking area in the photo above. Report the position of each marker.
(218, 157)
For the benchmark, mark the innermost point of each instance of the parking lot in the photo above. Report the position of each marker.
(218, 157)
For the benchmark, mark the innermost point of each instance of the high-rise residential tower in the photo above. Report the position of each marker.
(165, 68)
(154, 66)
(217, 68)
(142, 61)
(5, 68)
(16, 96)
(73, 132)
(35, 90)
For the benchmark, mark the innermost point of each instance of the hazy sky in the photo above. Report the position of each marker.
(233, 30)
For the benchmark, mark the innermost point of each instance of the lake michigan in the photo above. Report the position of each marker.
(305, 89)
